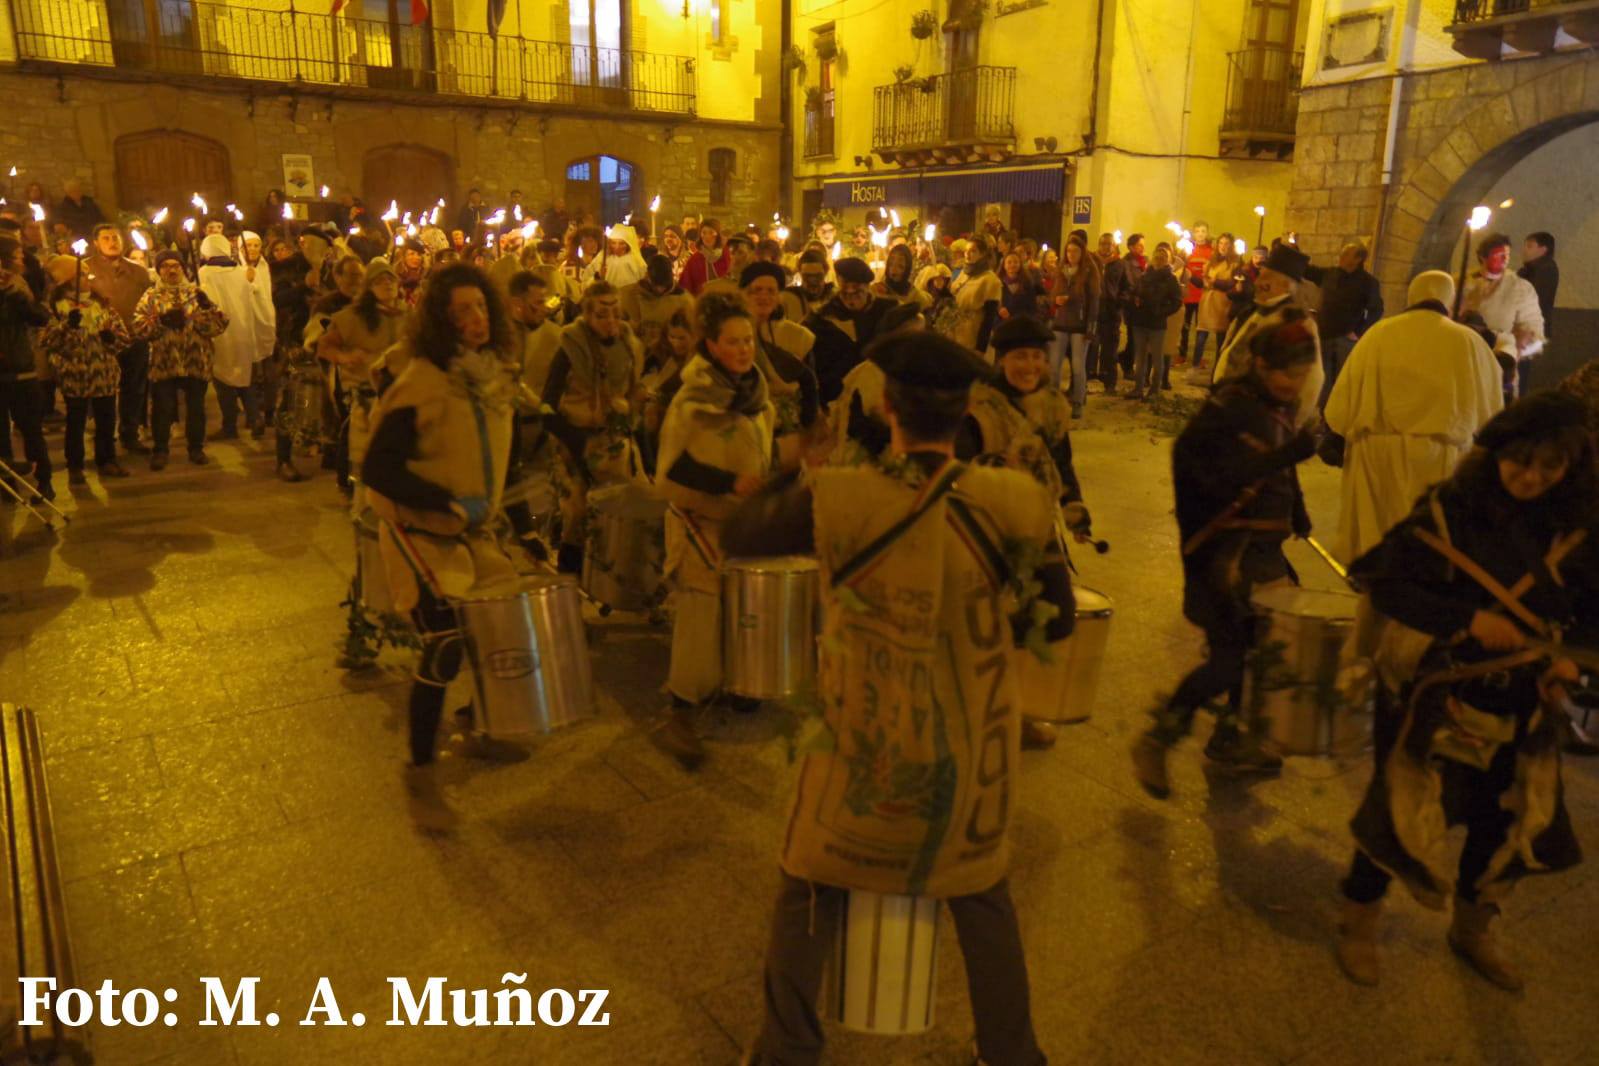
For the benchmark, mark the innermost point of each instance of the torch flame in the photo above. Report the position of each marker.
(655, 203)
(80, 247)
(1241, 246)
(160, 217)
(1479, 218)
(140, 239)
(1260, 209)
(324, 191)
(929, 233)
(393, 212)
(38, 212)
(199, 202)
(288, 211)
(188, 225)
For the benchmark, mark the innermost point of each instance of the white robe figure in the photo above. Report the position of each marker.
(249, 335)
(1412, 394)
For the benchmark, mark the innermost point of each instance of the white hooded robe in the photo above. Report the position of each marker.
(1412, 394)
(251, 319)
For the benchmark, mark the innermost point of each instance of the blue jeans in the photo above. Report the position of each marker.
(1148, 356)
(1072, 346)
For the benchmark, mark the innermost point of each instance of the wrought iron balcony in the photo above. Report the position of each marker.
(1482, 28)
(183, 38)
(1262, 101)
(961, 117)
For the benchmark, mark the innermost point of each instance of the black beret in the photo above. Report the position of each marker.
(762, 269)
(163, 256)
(1537, 416)
(926, 360)
(1288, 260)
(854, 270)
(1021, 331)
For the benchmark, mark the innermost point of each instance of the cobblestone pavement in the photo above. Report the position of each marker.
(228, 803)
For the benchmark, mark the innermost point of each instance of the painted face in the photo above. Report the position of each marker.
(734, 346)
(604, 316)
(1284, 386)
(1527, 479)
(469, 314)
(813, 278)
(1496, 261)
(854, 295)
(1024, 368)
(762, 294)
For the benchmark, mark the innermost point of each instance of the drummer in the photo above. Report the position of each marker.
(1238, 500)
(716, 446)
(1019, 419)
(1500, 555)
(781, 350)
(590, 390)
(860, 426)
(354, 339)
(914, 794)
(435, 470)
(663, 375)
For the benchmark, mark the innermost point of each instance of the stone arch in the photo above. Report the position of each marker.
(1447, 176)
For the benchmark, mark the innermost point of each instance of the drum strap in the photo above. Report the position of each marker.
(934, 491)
(1511, 601)
(1223, 520)
(703, 546)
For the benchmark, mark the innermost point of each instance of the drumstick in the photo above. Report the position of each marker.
(1327, 557)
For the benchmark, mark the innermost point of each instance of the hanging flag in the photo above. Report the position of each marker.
(338, 5)
(419, 12)
(496, 13)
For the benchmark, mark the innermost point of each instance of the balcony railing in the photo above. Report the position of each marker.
(1262, 96)
(1483, 27)
(290, 46)
(964, 111)
(818, 131)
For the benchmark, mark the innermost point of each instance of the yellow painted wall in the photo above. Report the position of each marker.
(1434, 48)
(1155, 106)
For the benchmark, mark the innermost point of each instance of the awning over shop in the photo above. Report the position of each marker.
(1014, 184)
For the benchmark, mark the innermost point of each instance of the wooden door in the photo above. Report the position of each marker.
(164, 168)
(599, 32)
(1269, 29)
(960, 79)
(412, 176)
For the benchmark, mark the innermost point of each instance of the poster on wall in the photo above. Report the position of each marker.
(298, 177)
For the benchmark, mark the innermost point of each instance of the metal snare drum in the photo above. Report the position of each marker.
(769, 626)
(1313, 703)
(529, 659)
(880, 976)
(307, 397)
(371, 577)
(1063, 691)
(626, 552)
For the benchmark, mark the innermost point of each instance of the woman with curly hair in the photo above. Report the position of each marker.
(436, 469)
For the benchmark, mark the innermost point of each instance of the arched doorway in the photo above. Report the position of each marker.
(609, 187)
(412, 176)
(164, 168)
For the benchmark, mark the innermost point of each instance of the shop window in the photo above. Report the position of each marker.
(723, 161)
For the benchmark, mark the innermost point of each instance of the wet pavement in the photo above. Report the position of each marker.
(228, 804)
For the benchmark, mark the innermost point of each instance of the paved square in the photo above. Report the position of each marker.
(228, 803)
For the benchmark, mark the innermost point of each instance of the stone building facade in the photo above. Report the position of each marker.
(65, 129)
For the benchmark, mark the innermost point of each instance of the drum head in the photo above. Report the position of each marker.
(1308, 603)
(776, 564)
(1091, 604)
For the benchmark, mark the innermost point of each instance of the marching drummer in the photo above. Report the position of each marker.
(354, 339)
(1238, 500)
(716, 447)
(435, 470)
(781, 350)
(860, 428)
(1018, 419)
(913, 796)
(590, 389)
(1494, 560)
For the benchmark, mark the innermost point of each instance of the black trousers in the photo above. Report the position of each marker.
(803, 928)
(1190, 312)
(104, 409)
(22, 405)
(441, 660)
(132, 395)
(1221, 672)
(229, 400)
(164, 411)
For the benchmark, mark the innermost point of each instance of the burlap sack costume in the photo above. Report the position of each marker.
(916, 682)
(463, 423)
(706, 421)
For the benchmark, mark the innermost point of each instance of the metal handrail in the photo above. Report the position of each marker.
(224, 40)
(1263, 90)
(971, 106)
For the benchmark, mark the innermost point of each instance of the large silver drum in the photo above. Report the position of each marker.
(307, 399)
(371, 579)
(769, 626)
(626, 551)
(1313, 702)
(880, 977)
(1063, 691)
(529, 658)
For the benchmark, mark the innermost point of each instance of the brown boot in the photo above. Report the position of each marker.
(1037, 735)
(1149, 765)
(1357, 941)
(1471, 936)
